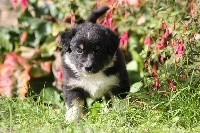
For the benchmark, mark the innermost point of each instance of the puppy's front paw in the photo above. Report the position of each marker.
(74, 114)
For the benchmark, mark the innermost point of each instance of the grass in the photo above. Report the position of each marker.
(178, 112)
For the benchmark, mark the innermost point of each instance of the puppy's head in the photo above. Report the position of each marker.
(90, 47)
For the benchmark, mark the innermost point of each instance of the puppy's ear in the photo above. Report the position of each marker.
(97, 13)
(65, 39)
(113, 42)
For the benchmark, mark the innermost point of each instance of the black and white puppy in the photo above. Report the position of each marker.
(93, 65)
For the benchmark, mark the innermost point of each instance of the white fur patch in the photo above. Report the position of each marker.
(96, 84)
(88, 35)
(68, 62)
(75, 112)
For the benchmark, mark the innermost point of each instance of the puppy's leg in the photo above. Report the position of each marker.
(75, 102)
(122, 90)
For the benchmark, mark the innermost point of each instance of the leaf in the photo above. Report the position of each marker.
(132, 66)
(33, 23)
(48, 49)
(22, 82)
(57, 28)
(136, 87)
(12, 67)
(95, 109)
(51, 96)
(175, 13)
(6, 80)
(5, 45)
(53, 10)
(44, 29)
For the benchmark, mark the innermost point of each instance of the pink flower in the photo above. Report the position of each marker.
(162, 59)
(162, 42)
(167, 33)
(23, 37)
(24, 4)
(172, 87)
(155, 69)
(179, 50)
(60, 74)
(130, 2)
(124, 40)
(110, 2)
(72, 19)
(156, 84)
(147, 41)
(108, 20)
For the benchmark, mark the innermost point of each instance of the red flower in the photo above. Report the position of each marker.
(147, 41)
(124, 40)
(24, 4)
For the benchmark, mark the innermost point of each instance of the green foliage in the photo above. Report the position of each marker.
(163, 66)
(147, 114)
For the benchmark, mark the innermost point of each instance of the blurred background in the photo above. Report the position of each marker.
(160, 40)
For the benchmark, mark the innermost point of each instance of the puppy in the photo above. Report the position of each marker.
(93, 65)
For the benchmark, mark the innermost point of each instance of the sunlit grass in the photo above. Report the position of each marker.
(141, 112)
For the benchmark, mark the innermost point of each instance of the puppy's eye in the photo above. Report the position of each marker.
(79, 50)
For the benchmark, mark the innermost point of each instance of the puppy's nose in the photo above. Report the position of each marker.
(88, 68)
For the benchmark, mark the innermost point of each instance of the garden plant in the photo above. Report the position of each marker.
(161, 43)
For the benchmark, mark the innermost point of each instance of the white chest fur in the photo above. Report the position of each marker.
(96, 84)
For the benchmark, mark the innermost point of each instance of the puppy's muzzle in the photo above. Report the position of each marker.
(89, 68)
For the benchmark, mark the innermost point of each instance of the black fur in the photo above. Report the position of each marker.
(96, 14)
(91, 49)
